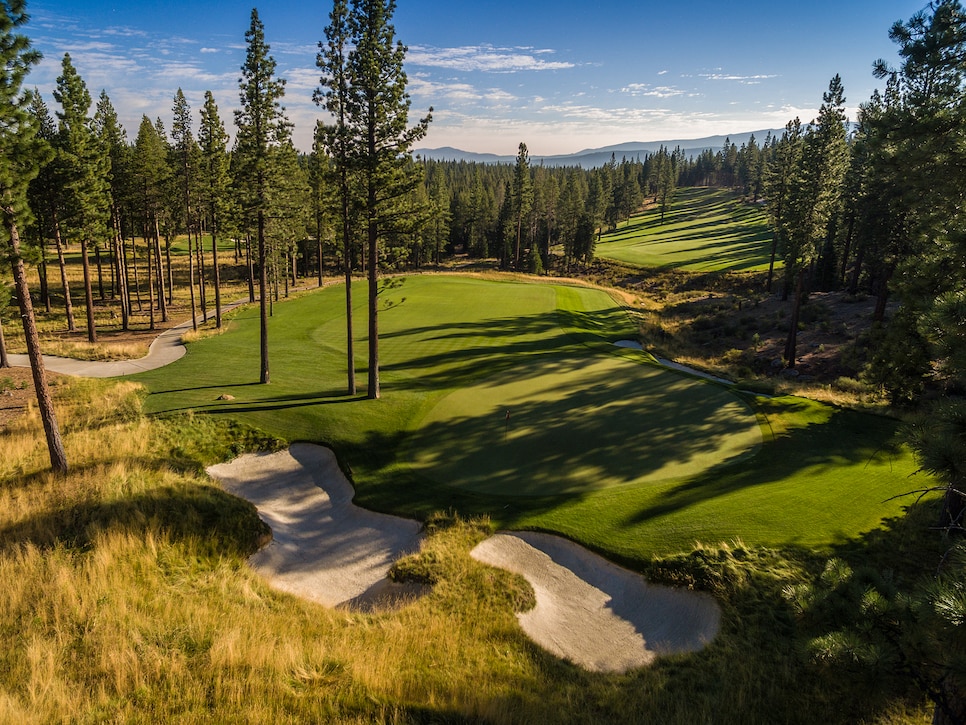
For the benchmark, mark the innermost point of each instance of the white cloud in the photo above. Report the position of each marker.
(747, 80)
(647, 90)
(210, 50)
(484, 58)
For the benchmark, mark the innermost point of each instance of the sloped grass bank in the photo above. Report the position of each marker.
(126, 599)
(705, 230)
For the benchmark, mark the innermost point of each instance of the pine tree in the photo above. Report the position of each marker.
(373, 124)
(261, 125)
(213, 173)
(522, 197)
(186, 153)
(151, 177)
(86, 167)
(46, 193)
(113, 138)
(23, 152)
(333, 95)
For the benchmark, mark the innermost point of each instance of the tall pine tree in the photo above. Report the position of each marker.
(261, 125)
(23, 152)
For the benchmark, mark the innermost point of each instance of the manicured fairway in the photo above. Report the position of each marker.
(573, 424)
(705, 230)
(600, 445)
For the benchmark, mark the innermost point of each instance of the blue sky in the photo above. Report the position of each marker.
(561, 76)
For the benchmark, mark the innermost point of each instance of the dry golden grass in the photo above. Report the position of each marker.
(126, 598)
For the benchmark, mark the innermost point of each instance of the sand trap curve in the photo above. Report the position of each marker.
(324, 548)
(596, 614)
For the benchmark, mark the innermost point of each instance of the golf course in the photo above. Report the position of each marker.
(510, 399)
(705, 230)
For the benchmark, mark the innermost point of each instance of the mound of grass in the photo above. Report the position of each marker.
(705, 230)
(458, 352)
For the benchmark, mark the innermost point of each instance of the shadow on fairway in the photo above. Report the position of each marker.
(563, 425)
(846, 438)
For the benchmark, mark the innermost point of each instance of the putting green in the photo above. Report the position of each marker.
(570, 424)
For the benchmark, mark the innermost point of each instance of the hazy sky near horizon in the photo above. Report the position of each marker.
(560, 75)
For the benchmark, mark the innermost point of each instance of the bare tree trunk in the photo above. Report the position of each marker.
(68, 305)
(42, 273)
(170, 275)
(137, 281)
(162, 305)
(217, 277)
(373, 387)
(120, 273)
(55, 445)
(771, 263)
(791, 343)
(4, 360)
(202, 286)
(100, 271)
(151, 276)
(263, 293)
(88, 294)
(251, 268)
(191, 284)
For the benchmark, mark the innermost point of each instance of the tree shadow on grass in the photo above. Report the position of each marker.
(845, 438)
(221, 522)
(569, 425)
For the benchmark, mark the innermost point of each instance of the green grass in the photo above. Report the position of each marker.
(705, 230)
(600, 445)
(126, 598)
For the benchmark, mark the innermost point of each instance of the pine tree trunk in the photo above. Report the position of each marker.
(4, 360)
(120, 273)
(100, 271)
(251, 268)
(88, 294)
(191, 284)
(134, 262)
(791, 343)
(202, 287)
(263, 293)
(373, 387)
(170, 273)
(68, 304)
(151, 276)
(321, 262)
(42, 273)
(217, 277)
(771, 263)
(55, 445)
(159, 276)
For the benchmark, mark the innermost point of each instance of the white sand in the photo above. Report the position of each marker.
(589, 611)
(324, 548)
(594, 613)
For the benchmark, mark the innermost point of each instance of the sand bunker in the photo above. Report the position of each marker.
(594, 613)
(589, 611)
(324, 548)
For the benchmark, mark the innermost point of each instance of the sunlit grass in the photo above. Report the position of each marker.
(705, 230)
(452, 346)
(126, 597)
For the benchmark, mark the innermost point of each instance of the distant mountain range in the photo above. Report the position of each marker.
(594, 158)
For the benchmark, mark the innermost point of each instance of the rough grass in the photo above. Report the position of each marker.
(706, 230)
(126, 599)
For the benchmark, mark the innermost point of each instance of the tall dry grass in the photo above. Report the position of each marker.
(125, 597)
